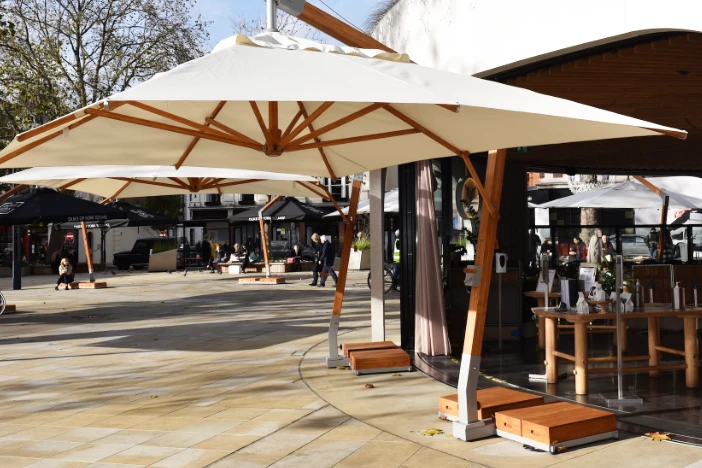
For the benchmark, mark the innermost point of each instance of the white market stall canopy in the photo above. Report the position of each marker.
(391, 205)
(626, 194)
(144, 181)
(284, 104)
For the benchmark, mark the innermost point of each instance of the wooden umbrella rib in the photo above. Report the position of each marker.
(178, 181)
(176, 118)
(46, 127)
(487, 202)
(334, 125)
(239, 182)
(261, 123)
(306, 123)
(313, 188)
(12, 191)
(649, 185)
(336, 205)
(170, 128)
(452, 107)
(149, 182)
(423, 129)
(321, 150)
(273, 117)
(357, 139)
(71, 184)
(231, 131)
(117, 193)
(41, 141)
(292, 123)
(195, 140)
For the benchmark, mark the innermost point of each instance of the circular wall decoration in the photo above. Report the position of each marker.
(468, 200)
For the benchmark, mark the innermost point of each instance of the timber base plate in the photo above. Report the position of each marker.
(271, 280)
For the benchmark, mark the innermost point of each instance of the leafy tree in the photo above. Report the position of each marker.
(58, 55)
(169, 205)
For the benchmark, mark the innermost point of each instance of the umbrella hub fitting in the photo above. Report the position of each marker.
(273, 150)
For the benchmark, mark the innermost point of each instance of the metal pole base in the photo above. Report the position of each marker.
(561, 376)
(336, 361)
(474, 430)
(612, 399)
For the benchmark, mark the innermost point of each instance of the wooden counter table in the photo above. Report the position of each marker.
(539, 296)
(652, 312)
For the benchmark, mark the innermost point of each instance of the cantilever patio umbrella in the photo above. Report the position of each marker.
(278, 103)
(139, 181)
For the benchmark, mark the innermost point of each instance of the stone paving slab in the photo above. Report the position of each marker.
(169, 371)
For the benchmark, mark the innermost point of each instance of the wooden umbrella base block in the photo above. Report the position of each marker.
(92, 285)
(272, 280)
(349, 348)
(10, 309)
(380, 361)
(86, 285)
(490, 401)
(548, 427)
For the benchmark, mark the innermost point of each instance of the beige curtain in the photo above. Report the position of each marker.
(431, 335)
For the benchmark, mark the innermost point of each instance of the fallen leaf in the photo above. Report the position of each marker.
(153, 396)
(431, 432)
(370, 385)
(342, 367)
(657, 436)
(561, 449)
(443, 418)
(395, 375)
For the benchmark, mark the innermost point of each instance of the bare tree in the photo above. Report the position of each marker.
(288, 25)
(81, 51)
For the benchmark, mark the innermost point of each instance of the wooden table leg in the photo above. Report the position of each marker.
(580, 358)
(625, 339)
(551, 360)
(654, 339)
(692, 373)
(542, 324)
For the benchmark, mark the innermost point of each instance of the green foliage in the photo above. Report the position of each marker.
(57, 56)
(170, 205)
(362, 244)
(164, 245)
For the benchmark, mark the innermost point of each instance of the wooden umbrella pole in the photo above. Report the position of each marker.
(468, 427)
(334, 359)
(88, 254)
(264, 243)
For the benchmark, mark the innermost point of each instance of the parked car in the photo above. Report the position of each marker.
(138, 257)
(280, 249)
(634, 245)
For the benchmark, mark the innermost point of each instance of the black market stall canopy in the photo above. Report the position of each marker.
(44, 205)
(288, 209)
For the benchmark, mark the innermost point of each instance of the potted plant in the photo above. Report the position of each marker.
(360, 253)
(164, 256)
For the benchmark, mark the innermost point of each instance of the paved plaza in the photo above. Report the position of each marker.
(170, 371)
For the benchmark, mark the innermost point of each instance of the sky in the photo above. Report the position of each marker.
(220, 13)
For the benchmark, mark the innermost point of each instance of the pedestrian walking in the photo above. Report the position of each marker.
(594, 250)
(317, 265)
(327, 261)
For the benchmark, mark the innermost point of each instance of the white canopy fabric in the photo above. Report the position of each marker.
(265, 95)
(391, 205)
(144, 181)
(626, 194)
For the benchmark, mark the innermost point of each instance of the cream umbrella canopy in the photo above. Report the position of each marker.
(111, 182)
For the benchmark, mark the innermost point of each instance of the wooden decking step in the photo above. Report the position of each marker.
(490, 401)
(555, 423)
(369, 346)
(380, 360)
(271, 280)
(91, 284)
